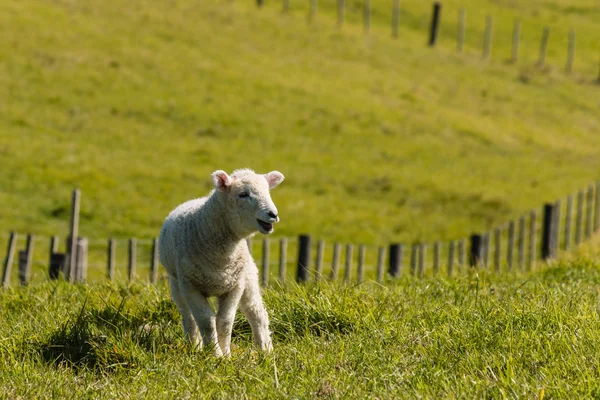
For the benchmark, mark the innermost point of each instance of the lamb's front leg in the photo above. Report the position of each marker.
(225, 316)
(204, 316)
(253, 308)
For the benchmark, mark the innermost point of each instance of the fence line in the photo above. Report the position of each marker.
(367, 263)
(434, 29)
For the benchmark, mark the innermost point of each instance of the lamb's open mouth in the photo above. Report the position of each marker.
(267, 226)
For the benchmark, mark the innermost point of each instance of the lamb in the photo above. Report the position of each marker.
(203, 248)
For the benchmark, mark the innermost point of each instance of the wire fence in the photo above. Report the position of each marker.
(518, 245)
(452, 25)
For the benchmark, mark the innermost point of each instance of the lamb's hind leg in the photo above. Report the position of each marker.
(253, 308)
(190, 329)
(203, 314)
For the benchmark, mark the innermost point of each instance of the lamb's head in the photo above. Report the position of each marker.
(248, 200)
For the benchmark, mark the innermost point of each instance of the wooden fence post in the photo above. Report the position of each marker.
(568, 222)
(484, 250)
(111, 259)
(497, 249)
(395, 18)
(82, 256)
(436, 258)
(131, 262)
(72, 248)
(154, 262)
(435, 21)
(367, 15)
(53, 248)
(313, 10)
(380, 261)
(547, 232)
(555, 230)
(341, 11)
(349, 249)
(487, 40)
(25, 261)
(521, 244)
(544, 46)
(414, 258)
(286, 6)
(532, 238)
(510, 245)
(597, 208)
(53, 266)
(476, 253)
(421, 271)
(516, 38)
(319, 260)
(361, 263)
(579, 218)
(589, 212)
(450, 257)
(303, 258)
(460, 38)
(57, 264)
(335, 259)
(282, 259)
(265, 262)
(570, 52)
(461, 253)
(8, 261)
(395, 260)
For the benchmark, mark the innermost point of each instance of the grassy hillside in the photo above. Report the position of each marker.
(138, 102)
(532, 336)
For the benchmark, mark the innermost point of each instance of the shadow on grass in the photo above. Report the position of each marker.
(78, 344)
(105, 339)
(112, 337)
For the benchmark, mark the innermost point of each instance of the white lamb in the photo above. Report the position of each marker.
(203, 248)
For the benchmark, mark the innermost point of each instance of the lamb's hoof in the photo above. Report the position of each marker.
(218, 352)
(227, 353)
(267, 347)
(214, 349)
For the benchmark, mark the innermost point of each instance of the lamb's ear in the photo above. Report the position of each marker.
(221, 180)
(274, 178)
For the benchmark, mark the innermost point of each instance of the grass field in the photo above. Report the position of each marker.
(481, 336)
(138, 102)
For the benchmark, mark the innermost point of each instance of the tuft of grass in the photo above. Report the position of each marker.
(82, 342)
(307, 312)
(74, 345)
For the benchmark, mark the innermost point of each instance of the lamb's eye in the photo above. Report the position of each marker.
(243, 195)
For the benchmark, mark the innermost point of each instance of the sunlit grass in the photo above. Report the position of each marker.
(476, 336)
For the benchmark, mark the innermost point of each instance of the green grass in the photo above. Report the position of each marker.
(380, 139)
(138, 102)
(479, 336)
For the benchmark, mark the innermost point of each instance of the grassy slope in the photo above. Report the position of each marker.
(476, 337)
(379, 139)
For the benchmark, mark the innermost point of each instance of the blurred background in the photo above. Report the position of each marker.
(381, 136)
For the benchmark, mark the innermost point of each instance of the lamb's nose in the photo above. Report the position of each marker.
(272, 214)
